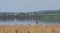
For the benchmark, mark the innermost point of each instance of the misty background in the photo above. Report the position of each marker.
(28, 5)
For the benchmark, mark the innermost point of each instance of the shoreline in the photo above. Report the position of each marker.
(30, 29)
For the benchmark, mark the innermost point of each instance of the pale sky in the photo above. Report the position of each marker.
(28, 5)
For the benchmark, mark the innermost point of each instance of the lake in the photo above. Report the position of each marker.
(26, 22)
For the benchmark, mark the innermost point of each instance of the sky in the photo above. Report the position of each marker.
(28, 5)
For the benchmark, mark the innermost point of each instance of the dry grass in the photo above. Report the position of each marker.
(30, 29)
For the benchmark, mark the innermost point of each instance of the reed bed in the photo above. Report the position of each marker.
(30, 29)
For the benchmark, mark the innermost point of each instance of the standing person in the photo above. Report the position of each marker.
(36, 22)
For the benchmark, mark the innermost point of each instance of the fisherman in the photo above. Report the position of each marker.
(28, 24)
(36, 22)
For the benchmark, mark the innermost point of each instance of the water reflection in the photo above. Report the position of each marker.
(26, 22)
(17, 22)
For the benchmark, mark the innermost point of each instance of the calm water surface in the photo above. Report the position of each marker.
(25, 22)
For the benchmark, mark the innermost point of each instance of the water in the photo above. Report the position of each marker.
(25, 22)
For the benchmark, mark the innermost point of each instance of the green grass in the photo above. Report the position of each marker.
(51, 16)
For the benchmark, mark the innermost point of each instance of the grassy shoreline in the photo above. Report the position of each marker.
(30, 29)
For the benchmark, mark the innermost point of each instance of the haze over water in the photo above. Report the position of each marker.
(28, 5)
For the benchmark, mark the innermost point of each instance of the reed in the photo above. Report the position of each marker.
(30, 29)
